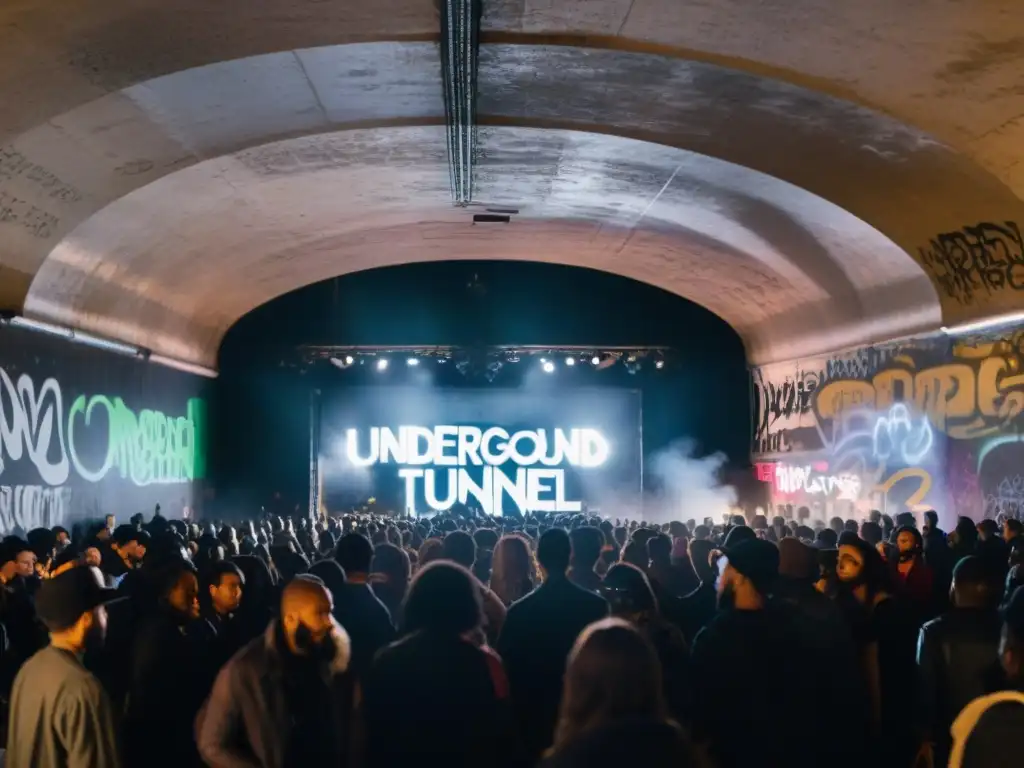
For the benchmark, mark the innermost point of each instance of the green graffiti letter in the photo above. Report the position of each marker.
(148, 447)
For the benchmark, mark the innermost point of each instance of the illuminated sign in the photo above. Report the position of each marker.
(812, 479)
(474, 462)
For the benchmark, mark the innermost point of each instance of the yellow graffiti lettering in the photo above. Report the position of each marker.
(964, 400)
(844, 395)
(945, 392)
(924, 484)
(894, 385)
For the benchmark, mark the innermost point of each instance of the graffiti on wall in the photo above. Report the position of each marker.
(929, 424)
(47, 449)
(976, 260)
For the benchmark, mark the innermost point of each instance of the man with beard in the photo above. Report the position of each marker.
(745, 670)
(285, 699)
(60, 714)
(913, 579)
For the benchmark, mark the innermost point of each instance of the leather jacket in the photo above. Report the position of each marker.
(958, 661)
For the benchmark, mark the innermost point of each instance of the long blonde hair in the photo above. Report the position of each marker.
(512, 569)
(613, 673)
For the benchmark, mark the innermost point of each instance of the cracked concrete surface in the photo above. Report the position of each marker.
(782, 163)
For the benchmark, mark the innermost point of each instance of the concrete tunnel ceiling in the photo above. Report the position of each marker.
(818, 176)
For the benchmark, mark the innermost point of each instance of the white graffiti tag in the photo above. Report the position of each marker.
(32, 506)
(27, 424)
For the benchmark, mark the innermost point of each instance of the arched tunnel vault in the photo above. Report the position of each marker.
(737, 156)
(173, 264)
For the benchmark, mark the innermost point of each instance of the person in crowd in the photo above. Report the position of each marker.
(391, 572)
(127, 550)
(912, 577)
(539, 632)
(631, 597)
(287, 698)
(486, 540)
(60, 715)
(460, 548)
(885, 635)
(986, 734)
(512, 569)
(964, 539)
(669, 580)
(587, 543)
(698, 607)
(613, 711)
(163, 699)
(224, 584)
(1012, 529)
(798, 572)
(735, 688)
(256, 607)
(957, 655)
(435, 696)
(432, 549)
(365, 618)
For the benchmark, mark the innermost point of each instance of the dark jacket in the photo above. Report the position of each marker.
(169, 680)
(432, 699)
(247, 722)
(367, 622)
(539, 632)
(957, 659)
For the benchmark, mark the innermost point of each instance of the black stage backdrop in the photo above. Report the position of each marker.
(85, 432)
(612, 416)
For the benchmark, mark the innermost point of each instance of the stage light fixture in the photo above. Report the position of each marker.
(570, 361)
(548, 366)
(412, 361)
(349, 360)
(543, 361)
(659, 364)
(595, 360)
(382, 364)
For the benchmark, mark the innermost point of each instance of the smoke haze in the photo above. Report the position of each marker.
(687, 486)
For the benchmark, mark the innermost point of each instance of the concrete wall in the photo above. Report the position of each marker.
(85, 432)
(935, 422)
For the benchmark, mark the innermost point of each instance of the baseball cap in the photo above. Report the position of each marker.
(62, 599)
(756, 559)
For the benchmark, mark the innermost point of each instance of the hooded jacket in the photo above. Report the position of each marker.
(245, 723)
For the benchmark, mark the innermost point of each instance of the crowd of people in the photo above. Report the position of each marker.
(556, 640)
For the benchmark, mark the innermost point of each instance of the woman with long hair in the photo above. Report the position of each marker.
(631, 597)
(613, 686)
(512, 569)
(435, 695)
(885, 633)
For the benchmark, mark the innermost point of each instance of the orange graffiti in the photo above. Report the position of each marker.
(978, 394)
(905, 474)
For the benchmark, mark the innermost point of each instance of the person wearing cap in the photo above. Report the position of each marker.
(59, 713)
(986, 734)
(744, 671)
(957, 652)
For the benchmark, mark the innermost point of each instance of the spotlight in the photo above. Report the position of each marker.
(659, 364)
(543, 361)
(570, 361)
(349, 360)
(548, 366)
(382, 364)
(412, 361)
(595, 360)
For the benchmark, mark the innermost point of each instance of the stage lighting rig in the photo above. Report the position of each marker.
(487, 362)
